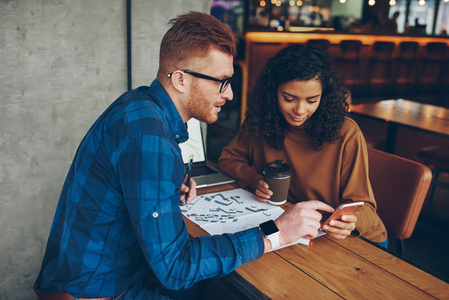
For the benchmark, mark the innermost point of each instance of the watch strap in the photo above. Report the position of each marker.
(274, 239)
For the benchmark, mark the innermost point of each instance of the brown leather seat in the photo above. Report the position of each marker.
(431, 74)
(319, 43)
(64, 296)
(405, 69)
(380, 68)
(437, 158)
(375, 141)
(400, 186)
(349, 66)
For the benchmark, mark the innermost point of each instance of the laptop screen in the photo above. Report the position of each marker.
(194, 145)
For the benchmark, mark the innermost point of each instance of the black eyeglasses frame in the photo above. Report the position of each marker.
(224, 82)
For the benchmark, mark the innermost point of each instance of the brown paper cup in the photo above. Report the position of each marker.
(277, 175)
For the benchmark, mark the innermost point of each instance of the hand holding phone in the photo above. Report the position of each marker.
(344, 209)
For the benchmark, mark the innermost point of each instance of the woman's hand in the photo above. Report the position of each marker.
(186, 192)
(340, 229)
(263, 193)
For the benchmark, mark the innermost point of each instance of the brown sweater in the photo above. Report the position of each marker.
(336, 173)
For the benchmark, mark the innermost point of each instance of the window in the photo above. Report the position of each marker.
(421, 16)
(442, 25)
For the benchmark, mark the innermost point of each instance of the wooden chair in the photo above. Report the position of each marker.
(400, 186)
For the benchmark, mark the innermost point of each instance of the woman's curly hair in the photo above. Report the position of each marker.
(297, 63)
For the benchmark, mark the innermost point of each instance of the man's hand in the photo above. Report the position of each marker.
(340, 229)
(301, 220)
(186, 192)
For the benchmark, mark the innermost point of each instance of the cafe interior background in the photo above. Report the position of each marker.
(63, 62)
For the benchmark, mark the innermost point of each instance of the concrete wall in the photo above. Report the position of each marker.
(61, 64)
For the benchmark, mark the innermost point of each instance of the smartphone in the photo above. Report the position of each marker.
(344, 209)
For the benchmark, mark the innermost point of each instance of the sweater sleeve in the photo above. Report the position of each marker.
(237, 160)
(355, 185)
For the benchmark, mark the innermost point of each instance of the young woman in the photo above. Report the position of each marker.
(299, 116)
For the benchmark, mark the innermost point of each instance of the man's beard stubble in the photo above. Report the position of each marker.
(199, 106)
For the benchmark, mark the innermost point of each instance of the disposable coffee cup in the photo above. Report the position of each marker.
(277, 174)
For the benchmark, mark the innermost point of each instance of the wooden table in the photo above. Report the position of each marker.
(330, 269)
(424, 117)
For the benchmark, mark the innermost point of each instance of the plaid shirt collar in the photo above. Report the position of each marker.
(177, 125)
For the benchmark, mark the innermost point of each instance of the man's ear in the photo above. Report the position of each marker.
(179, 81)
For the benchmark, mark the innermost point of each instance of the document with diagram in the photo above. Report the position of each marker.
(232, 211)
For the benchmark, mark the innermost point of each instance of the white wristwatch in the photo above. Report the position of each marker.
(271, 232)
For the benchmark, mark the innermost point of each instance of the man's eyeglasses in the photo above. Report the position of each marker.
(224, 82)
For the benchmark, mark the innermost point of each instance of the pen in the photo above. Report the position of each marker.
(305, 241)
(189, 172)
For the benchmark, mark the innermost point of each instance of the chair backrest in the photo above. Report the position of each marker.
(436, 50)
(318, 43)
(400, 186)
(382, 50)
(351, 49)
(408, 50)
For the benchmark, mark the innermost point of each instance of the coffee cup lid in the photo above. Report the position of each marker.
(277, 169)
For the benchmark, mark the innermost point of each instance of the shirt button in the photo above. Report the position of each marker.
(155, 215)
(177, 136)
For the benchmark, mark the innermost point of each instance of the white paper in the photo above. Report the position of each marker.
(232, 211)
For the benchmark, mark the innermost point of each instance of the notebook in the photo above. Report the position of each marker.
(203, 174)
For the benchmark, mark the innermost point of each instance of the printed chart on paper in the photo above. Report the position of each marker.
(232, 211)
(229, 211)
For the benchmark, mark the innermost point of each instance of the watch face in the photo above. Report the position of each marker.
(268, 228)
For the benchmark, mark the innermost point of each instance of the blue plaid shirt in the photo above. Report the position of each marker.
(118, 218)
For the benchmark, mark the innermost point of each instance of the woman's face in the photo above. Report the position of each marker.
(298, 100)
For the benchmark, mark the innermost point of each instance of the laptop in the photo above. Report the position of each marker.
(203, 174)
